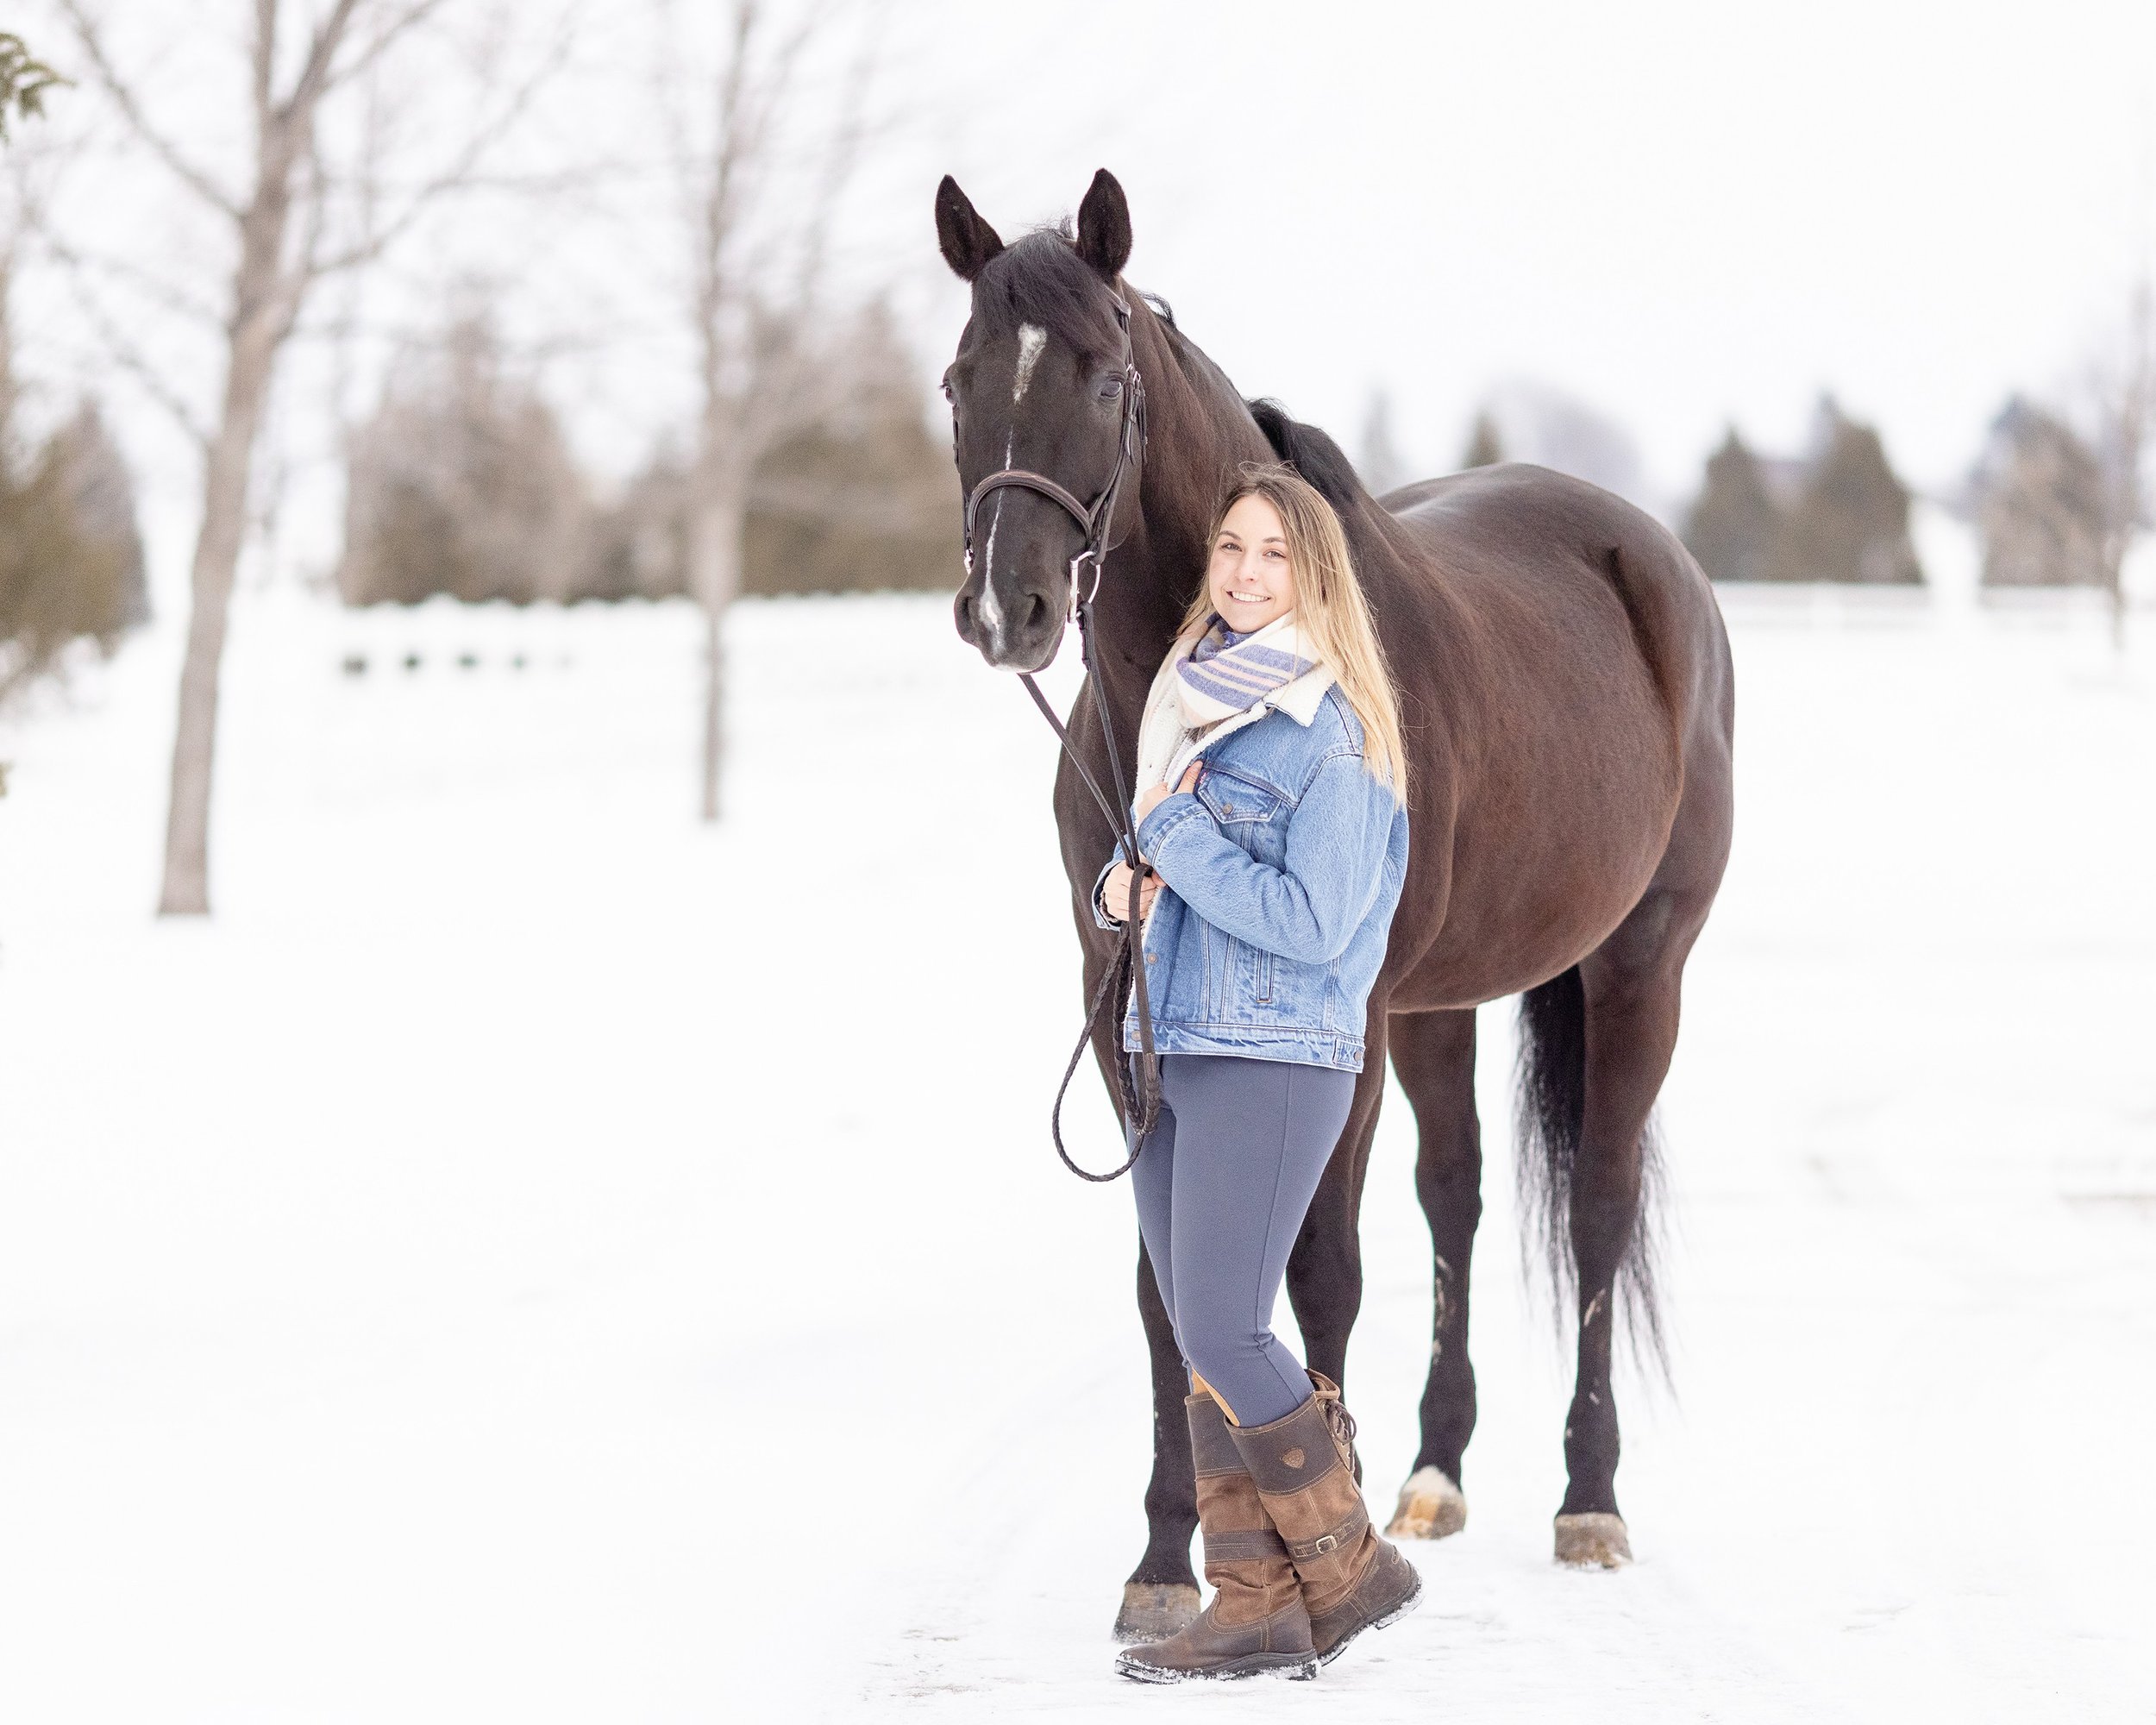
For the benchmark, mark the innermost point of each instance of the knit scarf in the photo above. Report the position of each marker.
(1223, 672)
(1212, 675)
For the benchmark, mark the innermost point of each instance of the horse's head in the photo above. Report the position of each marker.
(1038, 385)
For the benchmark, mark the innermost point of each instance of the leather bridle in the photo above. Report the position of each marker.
(1140, 1103)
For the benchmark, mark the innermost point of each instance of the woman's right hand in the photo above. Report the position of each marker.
(1115, 893)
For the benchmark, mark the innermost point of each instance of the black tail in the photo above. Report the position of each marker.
(1552, 1106)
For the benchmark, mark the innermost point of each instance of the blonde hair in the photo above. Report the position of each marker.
(1331, 611)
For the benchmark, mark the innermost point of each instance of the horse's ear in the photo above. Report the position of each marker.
(968, 242)
(1104, 227)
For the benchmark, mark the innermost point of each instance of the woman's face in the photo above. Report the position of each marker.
(1250, 580)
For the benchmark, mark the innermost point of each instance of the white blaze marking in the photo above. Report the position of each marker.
(1032, 339)
(991, 612)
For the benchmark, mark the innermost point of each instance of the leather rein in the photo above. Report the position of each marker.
(1140, 1104)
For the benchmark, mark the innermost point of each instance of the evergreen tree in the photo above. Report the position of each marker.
(1379, 464)
(70, 558)
(1484, 448)
(1851, 518)
(1735, 528)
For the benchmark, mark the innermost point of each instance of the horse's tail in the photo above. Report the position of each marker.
(1552, 1107)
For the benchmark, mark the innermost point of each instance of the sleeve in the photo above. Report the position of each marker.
(1309, 908)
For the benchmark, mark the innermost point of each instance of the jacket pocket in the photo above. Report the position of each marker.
(1231, 799)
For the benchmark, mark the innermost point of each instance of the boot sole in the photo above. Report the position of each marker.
(1384, 1619)
(1295, 1667)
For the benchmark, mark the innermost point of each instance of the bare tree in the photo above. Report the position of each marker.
(757, 180)
(2126, 432)
(292, 225)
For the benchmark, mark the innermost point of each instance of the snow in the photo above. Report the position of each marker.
(534, 1258)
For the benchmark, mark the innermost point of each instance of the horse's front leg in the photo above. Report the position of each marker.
(1162, 1594)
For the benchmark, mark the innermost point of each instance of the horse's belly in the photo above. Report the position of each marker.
(1546, 860)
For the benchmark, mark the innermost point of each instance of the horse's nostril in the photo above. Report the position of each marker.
(1036, 611)
(963, 607)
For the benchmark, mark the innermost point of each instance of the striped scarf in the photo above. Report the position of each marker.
(1225, 673)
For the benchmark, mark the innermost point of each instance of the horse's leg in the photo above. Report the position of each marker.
(1325, 1270)
(1629, 989)
(1433, 1057)
(1162, 1594)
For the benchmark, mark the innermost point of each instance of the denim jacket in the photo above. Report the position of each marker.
(1280, 875)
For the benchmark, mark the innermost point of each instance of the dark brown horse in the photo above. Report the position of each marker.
(1566, 696)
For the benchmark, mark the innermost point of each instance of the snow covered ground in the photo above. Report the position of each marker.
(533, 1258)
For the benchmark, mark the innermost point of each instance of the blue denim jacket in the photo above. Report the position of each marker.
(1280, 875)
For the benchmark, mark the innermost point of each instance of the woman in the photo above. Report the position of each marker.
(1273, 812)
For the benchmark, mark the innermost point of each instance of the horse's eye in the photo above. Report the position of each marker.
(948, 394)
(1111, 389)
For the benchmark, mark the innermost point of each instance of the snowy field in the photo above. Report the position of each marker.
(533, 1258)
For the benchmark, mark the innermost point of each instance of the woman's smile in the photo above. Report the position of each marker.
(1250, 577)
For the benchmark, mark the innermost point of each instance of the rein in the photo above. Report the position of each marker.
(1140, 1104)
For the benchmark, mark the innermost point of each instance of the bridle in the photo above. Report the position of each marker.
(1140, 1104)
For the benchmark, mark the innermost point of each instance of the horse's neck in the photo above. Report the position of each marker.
(1197, 431)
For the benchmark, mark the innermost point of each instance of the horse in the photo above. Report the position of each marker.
(1567, 700)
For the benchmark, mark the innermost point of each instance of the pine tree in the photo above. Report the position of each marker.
(1851, 518)
(1484, 446)
(1380, 464)
(1735, 528)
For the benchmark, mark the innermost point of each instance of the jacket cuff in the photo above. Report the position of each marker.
(1099, 908)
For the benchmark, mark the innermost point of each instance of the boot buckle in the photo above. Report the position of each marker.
(1322, 1544)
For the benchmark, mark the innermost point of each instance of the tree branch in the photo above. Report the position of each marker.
(86, 32)
(457, 177)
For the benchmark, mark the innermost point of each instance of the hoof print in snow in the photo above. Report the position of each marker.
(1430, 1507)
(1593, 1542)
(1152, 1611)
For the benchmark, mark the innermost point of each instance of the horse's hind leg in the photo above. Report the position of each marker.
(1628, 991)
(1433, 1057)
(1325, 1270)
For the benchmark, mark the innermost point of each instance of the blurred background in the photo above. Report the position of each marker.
(533, 962)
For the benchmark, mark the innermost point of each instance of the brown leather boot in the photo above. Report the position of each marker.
(1352, 1580)
(1257, 1624)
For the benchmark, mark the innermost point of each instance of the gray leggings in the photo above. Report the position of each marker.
(1226, 1175)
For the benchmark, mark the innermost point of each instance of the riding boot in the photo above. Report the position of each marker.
(1255, 1623)
(1302, 1465)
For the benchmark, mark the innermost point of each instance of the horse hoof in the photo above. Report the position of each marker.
(1595, 1541)
(1430, 1507)
(1154, 1611)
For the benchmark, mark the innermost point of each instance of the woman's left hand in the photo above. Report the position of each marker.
(1150, 799)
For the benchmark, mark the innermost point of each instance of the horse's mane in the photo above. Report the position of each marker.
(1313, 454)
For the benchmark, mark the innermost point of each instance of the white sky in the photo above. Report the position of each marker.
(1683, 213)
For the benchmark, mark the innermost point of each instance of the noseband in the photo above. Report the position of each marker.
(1140, 1102)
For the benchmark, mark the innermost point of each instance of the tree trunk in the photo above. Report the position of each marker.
(715, 558)
(226, 471)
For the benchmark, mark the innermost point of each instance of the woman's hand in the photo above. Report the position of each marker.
(1150, 799)
(1115, 893)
